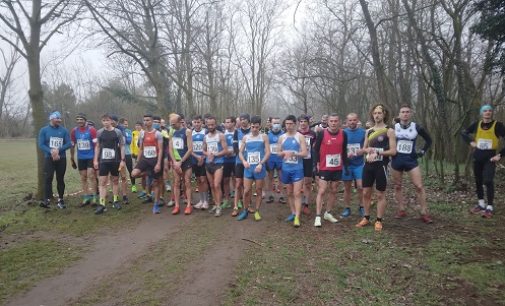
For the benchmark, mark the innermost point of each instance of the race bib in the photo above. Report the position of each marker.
(150, 152)
(309, 148)
(198, 146)
(83, 144)
(484, 144)
(178, 143)
(377, 156)
(55, 142)
(253, 158)
(404, 146)
(353, 148)
(293, 159)
(333, 160)
(212, 147)
(274, 149)
(108, 154)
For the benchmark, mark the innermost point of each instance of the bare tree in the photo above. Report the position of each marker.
(9, 61)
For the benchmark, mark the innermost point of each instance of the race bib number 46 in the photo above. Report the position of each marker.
(253, 158)
(405, 146)
(150, 152)
(108, 154)
(333, 160)
(198, 146)
(83, 144)
(55, 142)
(484, 144)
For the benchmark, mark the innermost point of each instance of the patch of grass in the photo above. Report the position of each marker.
(23, 265)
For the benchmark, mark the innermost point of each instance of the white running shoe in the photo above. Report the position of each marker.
(218, 211)
(329, 217)
(317, 222)
(213, 209)
(198, 205)
(205, 205)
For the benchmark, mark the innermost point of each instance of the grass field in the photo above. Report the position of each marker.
(458, 260)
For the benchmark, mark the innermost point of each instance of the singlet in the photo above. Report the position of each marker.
(273, 138)
(330, 153)
(179, 143)
(254, 150)
(83, 140)
(291, 143)
(197, 144)
(229, 143)
(379, 140)
(355, 141)
(406, 137)
(214, 145)
(310, 138)
(486, 139)
(109, 142)
(149, 142)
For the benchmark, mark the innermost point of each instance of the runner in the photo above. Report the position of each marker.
(405, 160)
(109, 159)
(254, 153)
(308, 163)
(198, 162)
(180, 149)
(54, 141)
(127, 134)
(84, 138)
(244, 129)
(323, 124)
(292, 149)
(215, 148)
(229, 160)
(355, 141)
(150, 160)
(331, 158)
(380, 143)
(134, 148)
(485, 143)
(275, 161)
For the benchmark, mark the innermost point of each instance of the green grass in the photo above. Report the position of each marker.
(23, 265)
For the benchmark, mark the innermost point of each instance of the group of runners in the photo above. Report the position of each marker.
(237, 158)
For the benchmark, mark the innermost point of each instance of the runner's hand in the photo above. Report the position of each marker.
(74, 166)
(95, 164)
(473, 144)
(157, 168)
(258, 168)
(495, 158)
(246, 165)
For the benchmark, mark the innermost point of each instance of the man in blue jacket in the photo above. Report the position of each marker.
(54, 141)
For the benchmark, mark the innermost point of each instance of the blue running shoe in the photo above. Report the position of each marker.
(142, 194)
(346, 213)
(361, 211)
(243, 215)
(156, 209)
(290, 218)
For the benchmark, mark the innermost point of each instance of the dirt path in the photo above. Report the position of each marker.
(110, 252)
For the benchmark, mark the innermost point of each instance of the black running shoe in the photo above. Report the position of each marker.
(100, 209)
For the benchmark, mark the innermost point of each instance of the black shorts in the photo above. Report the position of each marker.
(308, 168)
(199, 171)
(146, 165)
(228, 169)
(403, 164)
(239, 171)
(375, 173)
(212, 168)
(84, 164)
(186, 165)
(330, 176)
(112, 168)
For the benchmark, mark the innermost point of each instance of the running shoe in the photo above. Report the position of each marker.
(270, 199)
(426, 219)
(85, 201)
(234, 213)
(147, 200)
(134, 189)
(329, 217)
(188, 210)
(168, 187)
(100, 209)
(170, 203)
(213, 209)
(346, 213)
(226, 204)
(290, 218)
(161, 203)
(239, 204)
(142, 194)
(125, 200)
(282, 200)
(401, 214)
(199, 205)
(61, 204)
(156, 209)
(296, 222)
(243, 215)
(488, 213)
(257, 216)
(176, 210)
(317, 221)
(116, 205)
(218, 211)
(205, 205)
(378, 226)
(477, 209)
(364, 222)
(361, 211)
(306, 210)
(232, 194)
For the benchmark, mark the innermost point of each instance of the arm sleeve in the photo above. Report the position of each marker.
(66, 142)
(427, 138)
(500, 132)
(345, 160)
(120, 136)
(42, 140)
(235, 142)
(467, 134)
(72, 136)
(317, 146)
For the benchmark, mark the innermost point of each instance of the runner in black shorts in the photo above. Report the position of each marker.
(229, 160)
(308, 163)
(380, 143)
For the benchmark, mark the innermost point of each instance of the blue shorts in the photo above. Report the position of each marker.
(353, 173)
(291, 176)
(274, 165)
(403, 163)
(251, 175)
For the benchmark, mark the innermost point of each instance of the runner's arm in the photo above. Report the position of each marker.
(467, 133)
(224, 151)
(67, 144)
(42, 141)
(427, 138)
(392, 144)
(189, 140)
(303, 146)
(500, 133)
(267, 150)
(159, 139)
(241, 150)
(345, 159)
(317, 146)
(72, 148)
(235, 141)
